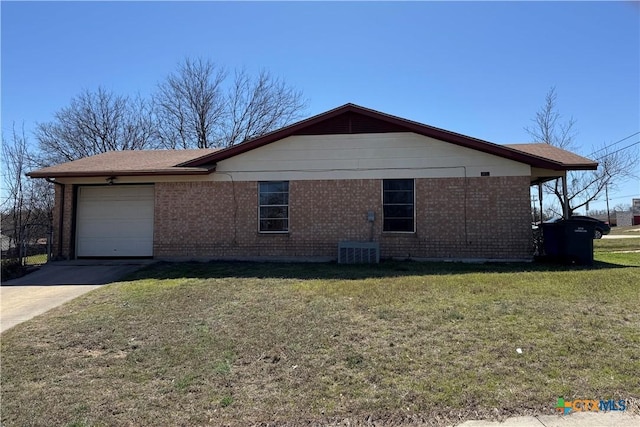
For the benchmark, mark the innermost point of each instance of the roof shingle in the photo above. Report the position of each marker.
(130, 162)
(547, 151)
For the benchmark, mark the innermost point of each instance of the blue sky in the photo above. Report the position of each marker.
(477, 68)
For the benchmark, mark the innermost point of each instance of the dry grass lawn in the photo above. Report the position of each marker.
(617, 245)
(299, 344)
(629, 230)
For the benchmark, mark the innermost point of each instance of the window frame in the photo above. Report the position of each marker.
(260, 206)
(413, 204)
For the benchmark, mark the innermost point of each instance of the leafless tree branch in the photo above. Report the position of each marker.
(583, 187)
(96, 122)
(258, 106)
(189, 105)
(196, 108)
(24, 201)
(549, 128)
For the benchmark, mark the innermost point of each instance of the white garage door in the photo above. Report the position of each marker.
(115, 221)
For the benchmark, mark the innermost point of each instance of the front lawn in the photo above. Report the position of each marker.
(617, 245)
(626, 230)
(297, 344)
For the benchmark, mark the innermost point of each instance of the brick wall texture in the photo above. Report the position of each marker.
(484, 217)
(63, 251)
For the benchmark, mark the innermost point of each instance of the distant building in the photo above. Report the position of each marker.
(6, 243)
(624, 218)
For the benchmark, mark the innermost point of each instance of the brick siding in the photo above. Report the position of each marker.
(484, 217)
(65, 251)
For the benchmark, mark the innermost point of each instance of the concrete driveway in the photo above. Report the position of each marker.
(56, 283)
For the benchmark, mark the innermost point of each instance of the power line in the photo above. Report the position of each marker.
(620, 149)
(613, 143)
(624, 197)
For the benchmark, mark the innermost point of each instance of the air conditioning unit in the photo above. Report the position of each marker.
(358, 252)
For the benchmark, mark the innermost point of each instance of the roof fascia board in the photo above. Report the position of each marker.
(199, 171)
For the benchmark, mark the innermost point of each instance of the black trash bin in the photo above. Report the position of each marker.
(569, 241)
(553, 239)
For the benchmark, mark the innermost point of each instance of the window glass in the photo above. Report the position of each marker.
(398, 205)
(273, 199)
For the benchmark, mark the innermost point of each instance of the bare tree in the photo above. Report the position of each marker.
(583, 187)
(190, 106)
(195, 108)
(623, 207)
(260, 105)
(25, 202)
(548, 125)
(96, 122)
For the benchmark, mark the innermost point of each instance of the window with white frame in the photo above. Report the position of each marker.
(274, 206)
(398, 205)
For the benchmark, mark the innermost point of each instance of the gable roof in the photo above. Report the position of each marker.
(353, 119)
(347, 119)
(130, 163)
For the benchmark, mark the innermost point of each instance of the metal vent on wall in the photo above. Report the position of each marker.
(358, 252)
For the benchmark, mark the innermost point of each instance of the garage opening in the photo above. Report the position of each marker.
(115, 221)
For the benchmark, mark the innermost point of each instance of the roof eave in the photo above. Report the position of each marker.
(581, 167)
(94, 174)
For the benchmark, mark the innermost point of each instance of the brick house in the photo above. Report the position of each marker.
(349, 174)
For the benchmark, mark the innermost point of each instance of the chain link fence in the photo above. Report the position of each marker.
(36, 244)
(29, 247)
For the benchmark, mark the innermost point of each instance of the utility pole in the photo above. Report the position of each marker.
(540, 200)
(565, 197)
(606, 192)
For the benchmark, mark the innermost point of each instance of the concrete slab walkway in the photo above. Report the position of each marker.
(21, 303)
(621, 236)
(578, 419)
(56, 283)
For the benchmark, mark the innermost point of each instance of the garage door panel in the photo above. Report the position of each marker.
(115, 221)
(115, 247)
(136, 210)
(106, 228)
(117, 192)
